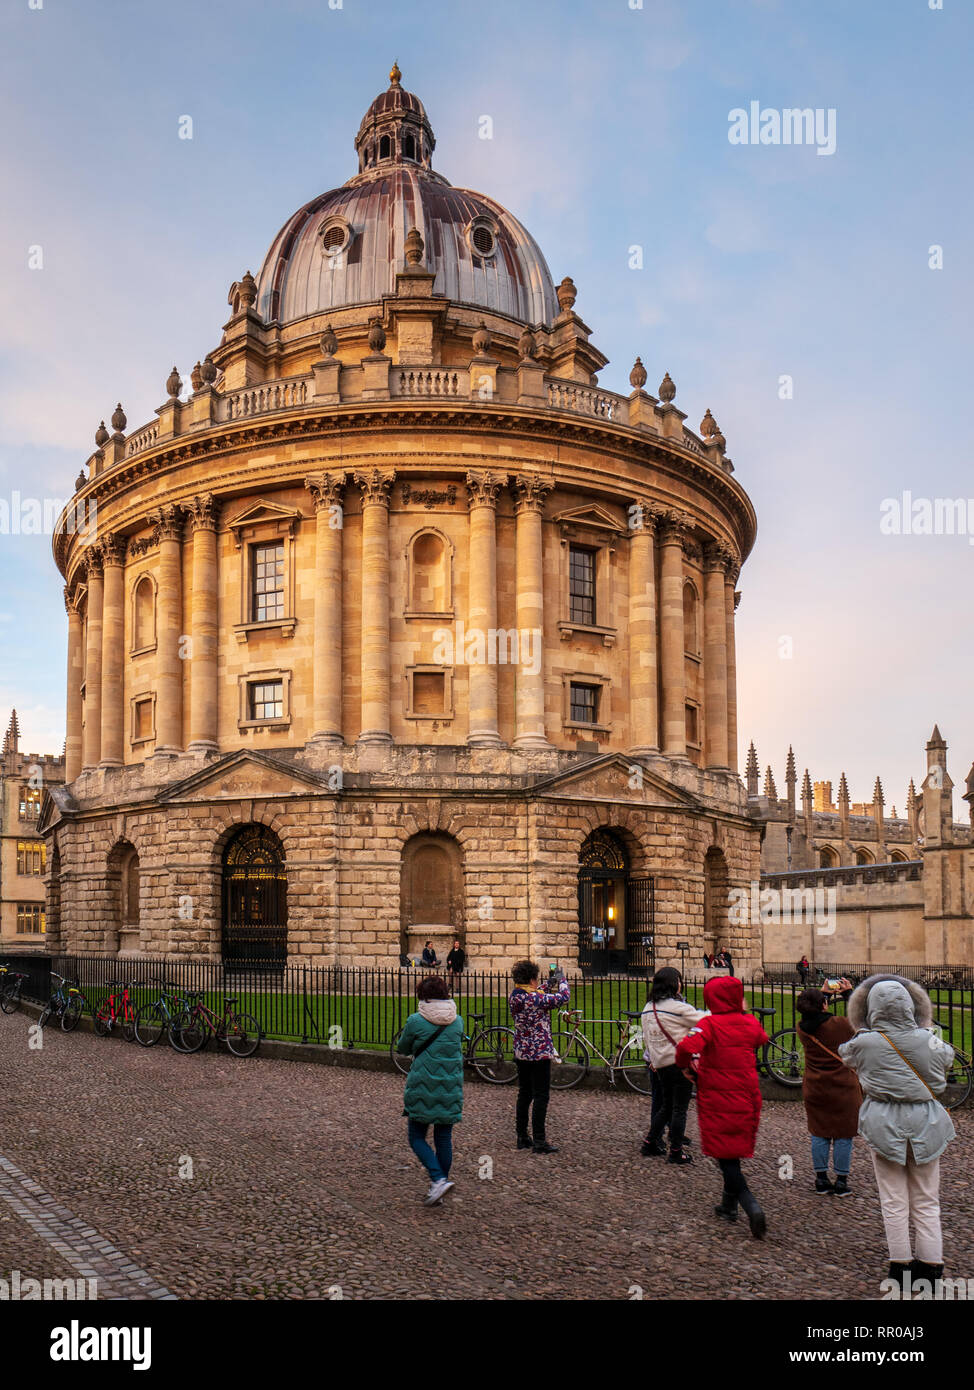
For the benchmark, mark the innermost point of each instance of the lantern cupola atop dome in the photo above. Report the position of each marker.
(395, 129)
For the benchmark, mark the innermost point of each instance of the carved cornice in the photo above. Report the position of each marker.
(376, 486)
(428, 497)
(327, 490)
(203, 511)
(483, 488)
(530, 491)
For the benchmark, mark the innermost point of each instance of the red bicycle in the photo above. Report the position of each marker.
(116, 1010)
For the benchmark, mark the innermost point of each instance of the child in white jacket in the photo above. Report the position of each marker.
(666, 1020)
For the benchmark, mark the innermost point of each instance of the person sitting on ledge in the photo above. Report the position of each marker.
(429, 955)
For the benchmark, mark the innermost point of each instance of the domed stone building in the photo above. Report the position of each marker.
(398, 626)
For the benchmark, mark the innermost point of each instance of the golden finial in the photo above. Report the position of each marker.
(395, 75)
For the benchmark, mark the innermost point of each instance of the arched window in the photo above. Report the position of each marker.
(827, 858)
(863, 856)
(898, 857)
(143, 615)
(716, 898)
(409, 148)
(122, 919)
(429, 576)
(254, 900)
(691, 605)
(385, 147)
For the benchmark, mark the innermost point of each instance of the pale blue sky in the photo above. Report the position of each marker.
(610, 130)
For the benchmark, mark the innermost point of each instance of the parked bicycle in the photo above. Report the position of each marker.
(66, 1005)
(159, 1015)
(490, 1051)
(116, 1011)
(783, 1056)
(574, 1051)
(960, 1076)
(197, 1023)
(11, 989)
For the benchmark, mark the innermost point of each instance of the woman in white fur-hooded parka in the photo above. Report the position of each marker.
(902, 1065)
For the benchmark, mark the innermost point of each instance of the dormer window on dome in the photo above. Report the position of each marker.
(395, 129)
(482, 238)
(335, 234)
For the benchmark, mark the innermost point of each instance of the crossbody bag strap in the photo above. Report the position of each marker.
(432, 1038)
(827, 1049)
(662, 1028)
(908, 1063)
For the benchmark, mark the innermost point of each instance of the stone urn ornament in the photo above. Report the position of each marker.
(414, 247)
(328, 343)
(119, 420)
(208, 370)
(248, 291)
(481, 339)
(567, 293)
(526, 345)
(637, 377)
(377, 335)
(101, 435)
(196, 377)
(173, 384)
(667, 390)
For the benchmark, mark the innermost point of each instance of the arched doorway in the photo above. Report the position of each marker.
(254, 900)
(716, 900)
(431, 894)
(616, 912)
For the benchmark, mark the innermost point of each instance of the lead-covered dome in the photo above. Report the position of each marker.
(345, 246)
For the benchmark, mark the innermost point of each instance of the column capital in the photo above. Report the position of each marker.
(112, 549)
(530, 491)
(483, 487)
(675, 527)
(717, 556)
(92, 562)
(71, 605)
(649, 515)
(327, 489)
(203, 511)
(168, 522)
(376, 486)
(737, 600)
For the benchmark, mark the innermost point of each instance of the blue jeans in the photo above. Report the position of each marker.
(437, 1164)
(841, 1154)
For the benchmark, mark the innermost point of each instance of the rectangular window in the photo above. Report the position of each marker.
(429, 692)
(693, 730)
(143, 720)
(267, 583)
(581, 585)
(584, 704)
(30, 856)
(267, 700)
(30, 918)
(30, 803)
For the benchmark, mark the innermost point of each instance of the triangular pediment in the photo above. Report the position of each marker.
(244, 774)
(591, 515)
(615, 777)
(261, 512)
(56, 803)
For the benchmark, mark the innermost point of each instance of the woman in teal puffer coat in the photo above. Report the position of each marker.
(433, 1036)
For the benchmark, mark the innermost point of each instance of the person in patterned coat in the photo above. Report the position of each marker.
(531, 1008)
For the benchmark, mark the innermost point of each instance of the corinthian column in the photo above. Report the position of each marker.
(72, 742)
(643, 674)
(203, 704)
(169, 676)
(716, 559)
(112, 652)
(529, 493)
(376, 719)
(482, 609)
(326, 492)
(92, 735)
(674, 531)
(730, 608)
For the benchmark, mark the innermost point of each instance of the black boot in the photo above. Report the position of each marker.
(727, 1210)
(680, 1156)
(823, 1187)
(756, 1218)
(898, 1272)
(919, 1269)
(523, 1142)
(649, 1150)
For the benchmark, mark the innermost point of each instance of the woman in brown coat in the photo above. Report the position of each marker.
(830, 1091)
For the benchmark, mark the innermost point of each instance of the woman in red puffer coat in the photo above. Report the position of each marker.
(720, 1051)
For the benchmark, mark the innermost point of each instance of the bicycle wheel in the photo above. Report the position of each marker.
(128, 1024)
(492, 1055)
(572, 1061)
(243, 1034)
(103, 1019)
(44, 1016)
(784, 1057)
(73, 1010)
(959, 1080)
(150, 1024)
(402, 1061)
(634, 1067)
(190, 1030)
(10, 999)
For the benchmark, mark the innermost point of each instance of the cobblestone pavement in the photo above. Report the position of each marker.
(303, 1187)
